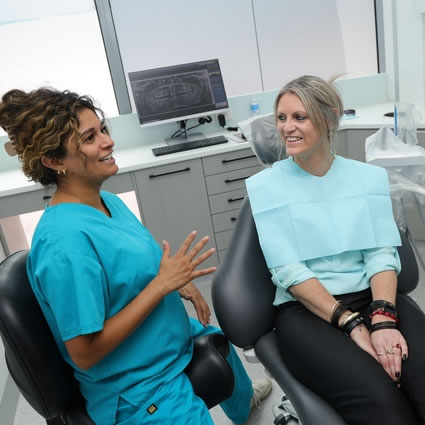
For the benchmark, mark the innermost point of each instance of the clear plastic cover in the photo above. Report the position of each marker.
(404, 161)
(262, 135)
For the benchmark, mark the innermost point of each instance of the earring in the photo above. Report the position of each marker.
(64, 172)
(61, 172)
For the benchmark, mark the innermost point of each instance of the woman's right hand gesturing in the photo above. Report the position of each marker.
(176, 271)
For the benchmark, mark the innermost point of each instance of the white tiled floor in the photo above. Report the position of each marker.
(260, 416)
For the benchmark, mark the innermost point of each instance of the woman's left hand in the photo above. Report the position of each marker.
(391, 348)
(191, 293)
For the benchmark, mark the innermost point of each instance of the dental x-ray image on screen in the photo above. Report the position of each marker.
(178, 92)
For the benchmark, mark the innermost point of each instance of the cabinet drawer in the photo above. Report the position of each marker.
(229, 161)
(232, 180)
(225, 221)
(223, 239)
(119, 183)
(174, 202)
(355, 143)
(26, 202)
(227, 201)
(221, 255)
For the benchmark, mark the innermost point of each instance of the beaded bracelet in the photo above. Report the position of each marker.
(385, 312)
(374, 305)
(383, 325)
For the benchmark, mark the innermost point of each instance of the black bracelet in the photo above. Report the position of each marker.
(374, 305)
(337, 314)
(353, 324)
(350, 319)
(383, 325)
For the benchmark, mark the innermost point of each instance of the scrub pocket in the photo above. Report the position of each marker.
(173, 402)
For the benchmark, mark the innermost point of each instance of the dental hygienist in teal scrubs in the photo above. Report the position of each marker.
(108, 291)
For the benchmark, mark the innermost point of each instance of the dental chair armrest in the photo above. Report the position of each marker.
(208, 371)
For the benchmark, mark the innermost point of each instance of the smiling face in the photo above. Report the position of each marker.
(302, 139)
(92, 162)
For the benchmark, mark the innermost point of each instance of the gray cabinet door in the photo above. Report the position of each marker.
(174, 202)
(355, 142)
(339, 144)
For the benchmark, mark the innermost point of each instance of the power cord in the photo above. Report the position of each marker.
(203, 120)
(182, 124)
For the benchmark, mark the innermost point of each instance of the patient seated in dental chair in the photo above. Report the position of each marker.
(326, 228)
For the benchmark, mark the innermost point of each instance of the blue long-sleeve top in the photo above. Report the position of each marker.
(344, 273)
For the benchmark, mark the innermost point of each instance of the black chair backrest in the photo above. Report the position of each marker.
(47, 381)
(408, 278)
(242, 291)
(32, 356)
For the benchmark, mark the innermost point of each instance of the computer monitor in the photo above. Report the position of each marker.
(178, 92)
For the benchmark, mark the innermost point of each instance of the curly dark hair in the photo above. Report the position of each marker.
(41, 123)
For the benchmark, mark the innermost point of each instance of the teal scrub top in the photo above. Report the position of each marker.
(84, 267)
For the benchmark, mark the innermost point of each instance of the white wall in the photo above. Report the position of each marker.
(260, 44)
(298, 37)
(357, 22)
(405, 48)
(161, 33)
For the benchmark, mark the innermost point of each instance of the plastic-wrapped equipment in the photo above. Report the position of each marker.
(404, 161)
(261, 133)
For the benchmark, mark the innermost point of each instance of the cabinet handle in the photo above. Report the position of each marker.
(233, 218)
(235, 180)
(225, 161)
(235, 199)
(152, 176)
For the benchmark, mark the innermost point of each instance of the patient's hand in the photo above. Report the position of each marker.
(392, 345)
(361, 336)
(190, 292)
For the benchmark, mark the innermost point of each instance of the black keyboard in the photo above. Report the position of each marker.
(185, 146)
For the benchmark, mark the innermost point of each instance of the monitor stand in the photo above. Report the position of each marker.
(184, 136)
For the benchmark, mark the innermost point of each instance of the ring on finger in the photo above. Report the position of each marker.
(380, 354)
(390, 351)
(397, 346)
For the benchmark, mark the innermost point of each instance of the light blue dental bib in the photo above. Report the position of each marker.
(301, 217)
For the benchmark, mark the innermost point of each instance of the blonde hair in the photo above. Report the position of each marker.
(321, 99)
(41, 123)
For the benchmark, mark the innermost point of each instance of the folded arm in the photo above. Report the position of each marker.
(316, 298)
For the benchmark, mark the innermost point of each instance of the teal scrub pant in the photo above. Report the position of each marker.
(176, 403)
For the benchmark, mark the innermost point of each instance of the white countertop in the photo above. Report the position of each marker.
(14, 181)
(367, 117)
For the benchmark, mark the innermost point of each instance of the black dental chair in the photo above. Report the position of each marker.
(47, 382)
(243, 293)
